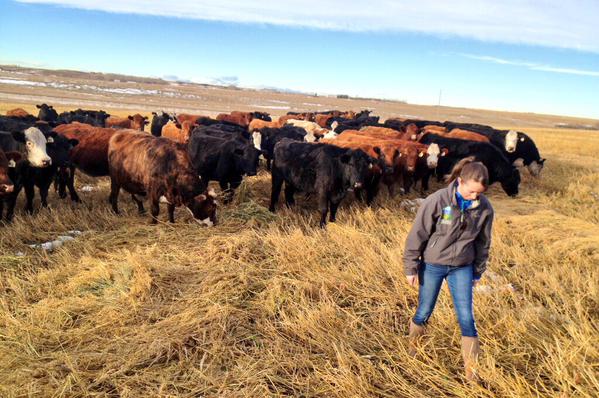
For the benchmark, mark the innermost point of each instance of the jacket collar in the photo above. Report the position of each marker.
(452, 188)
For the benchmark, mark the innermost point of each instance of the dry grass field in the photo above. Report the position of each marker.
(270, 305)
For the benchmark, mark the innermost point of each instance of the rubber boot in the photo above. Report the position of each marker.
(470, 350)
(415, 332)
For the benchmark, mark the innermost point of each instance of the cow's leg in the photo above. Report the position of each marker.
(171, 212)
(114, 195)
(289, 192)
(227, 192)
(154, 208)
(29, 195)
(372, 189)
(323, 207)
(44, 195)
(1, 208)
(139, 203)
(71, 185)
(269, 164)
(12, 202)
(334, 206)
(277, 184)
(425, 180)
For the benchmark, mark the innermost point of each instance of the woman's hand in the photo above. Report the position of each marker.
(475, 282)
(412, 280)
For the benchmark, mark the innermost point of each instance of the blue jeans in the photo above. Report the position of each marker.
(459, 279)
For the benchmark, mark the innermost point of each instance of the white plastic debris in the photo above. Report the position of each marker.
(58, 242)
(87, 188)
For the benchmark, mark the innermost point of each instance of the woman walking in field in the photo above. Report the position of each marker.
(450, 239)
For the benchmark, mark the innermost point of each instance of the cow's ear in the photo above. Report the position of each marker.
(200, 198)
(377, 150)
(420, 154)
(396, 154)
(38, 106)
(154, 113)
(73, 142)
(12, 164)
(444, 152)
(50, 140)
(130, 117)
(13, 156)
(18, 136)
(238, 151)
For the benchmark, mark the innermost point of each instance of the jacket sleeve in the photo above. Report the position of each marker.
(482, 244)
(421, 231)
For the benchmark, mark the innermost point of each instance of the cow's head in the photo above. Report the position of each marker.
(510, 183)
(47, 113)
(6, 163)
(203, 208)
(356, 166)
(58, 148)
(411, 155)
(246, 158)
(536, 166)
(262, 116)
(35, 146)
(138, 122)
(511, 140)
(432, 155)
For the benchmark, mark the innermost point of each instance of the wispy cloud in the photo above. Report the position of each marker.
(552, 23)
(531, 65)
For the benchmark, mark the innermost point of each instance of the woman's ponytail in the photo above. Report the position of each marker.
(469, 169)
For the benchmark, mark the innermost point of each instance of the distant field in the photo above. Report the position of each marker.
(267, 305)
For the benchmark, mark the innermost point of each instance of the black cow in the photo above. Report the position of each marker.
(94, 118)
(58, 148)
(500, 169)
(517, 147)
(352, 124)
(11, 164)
(267, 138)
(262, 116)
(158, 121)
(222, 159)
(47, 113)
(326, 170)
(223, 130)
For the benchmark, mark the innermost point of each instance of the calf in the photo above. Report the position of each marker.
(135, 122)
(160, 169)
(241, 118)
(158, 121)
(326, 170)
(178, 132)
(499, 167)
(267, 138)
(314, 131)
(223, 159)
(11, 165)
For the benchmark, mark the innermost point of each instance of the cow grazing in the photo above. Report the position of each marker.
(326, 170)
(178, 132)
(158, 121)
(135, 122)
(225, 159)
(158, 168)
(500, 168)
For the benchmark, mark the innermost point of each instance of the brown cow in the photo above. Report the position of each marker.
(323, 120)
(178, 132)
(466, 135)
(159, 168)
(431, 128)
(385, 132)
(135, 122)
(241, 118)
(182, 117)
(18, 112)
(257, 124)
(91, 154)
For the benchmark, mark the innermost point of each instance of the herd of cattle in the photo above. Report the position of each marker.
(326, 154)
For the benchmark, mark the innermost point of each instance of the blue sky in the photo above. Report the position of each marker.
(530, 56)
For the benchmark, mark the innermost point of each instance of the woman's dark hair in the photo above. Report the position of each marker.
(468, 169)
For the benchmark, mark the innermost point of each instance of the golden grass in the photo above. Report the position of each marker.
(270, 305)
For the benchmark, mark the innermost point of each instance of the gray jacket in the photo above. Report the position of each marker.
(441, 234)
